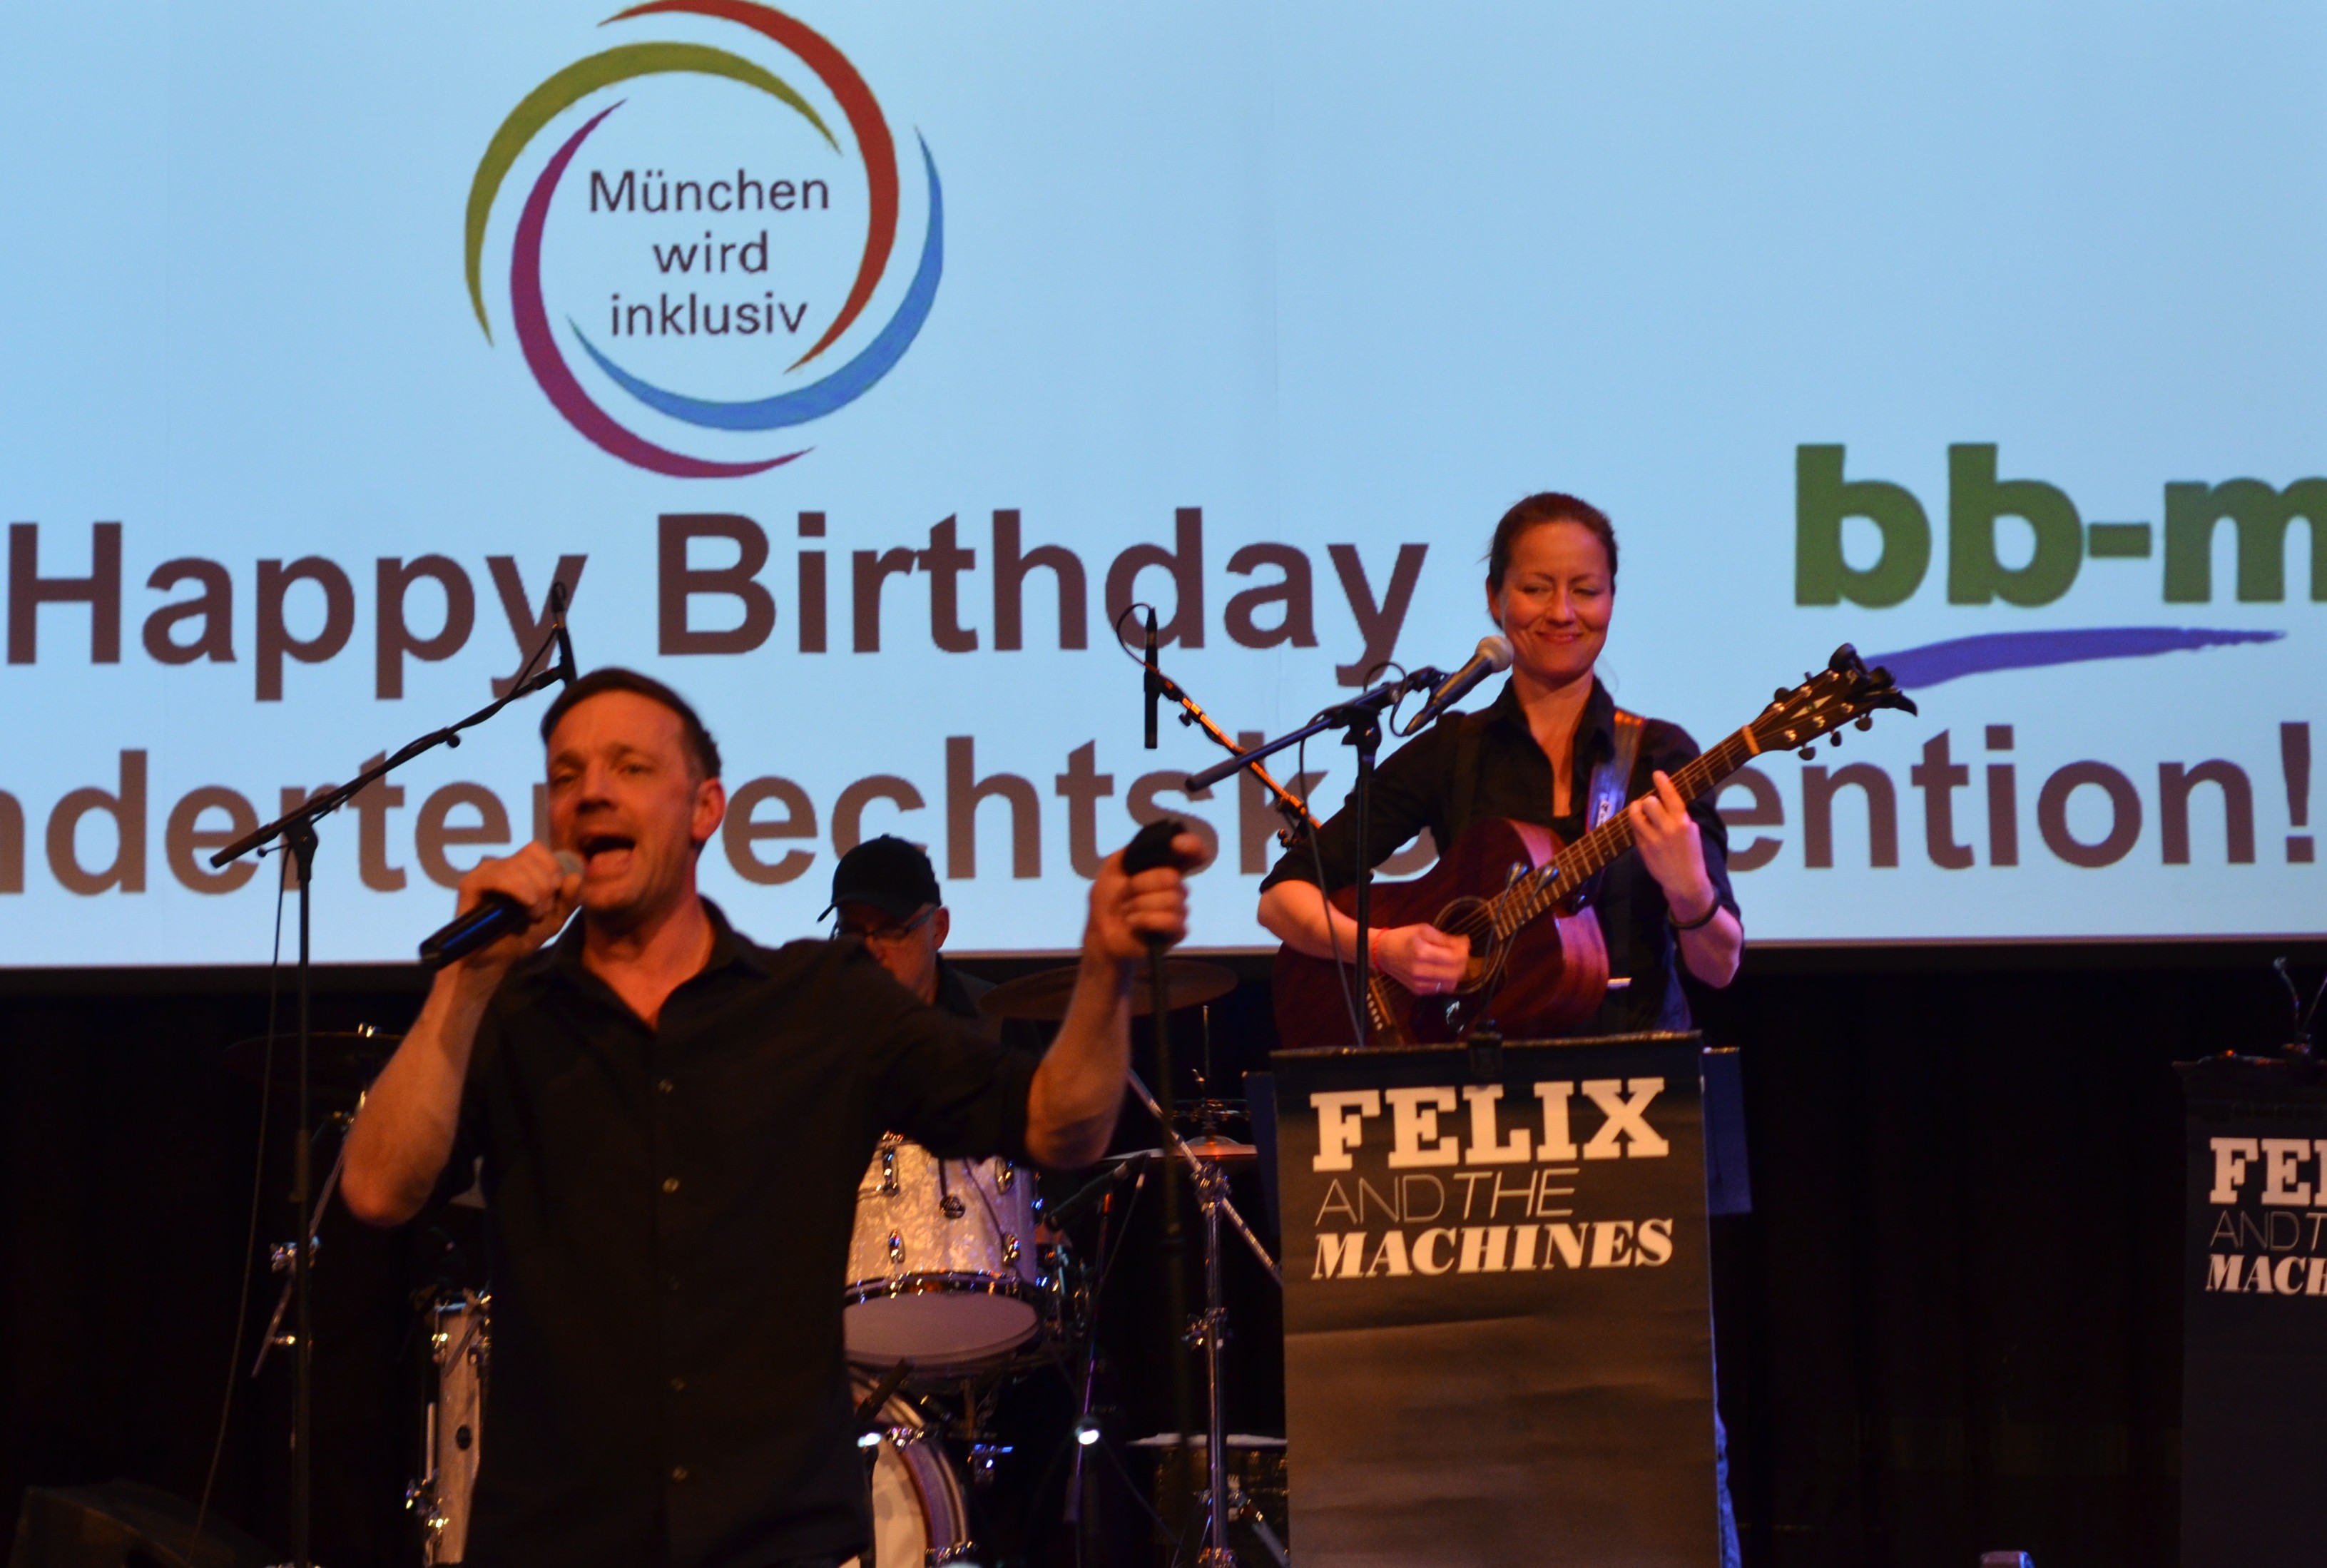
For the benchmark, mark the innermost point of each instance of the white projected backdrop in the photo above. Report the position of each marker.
(1323, 279)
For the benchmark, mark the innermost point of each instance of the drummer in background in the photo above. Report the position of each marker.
(672, 1121)
(885, 894)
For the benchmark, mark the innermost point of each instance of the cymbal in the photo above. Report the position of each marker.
(340, 1063)
(1043, 995)
(1219, 1150)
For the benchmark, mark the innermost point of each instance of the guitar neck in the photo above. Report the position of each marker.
(1598, 849)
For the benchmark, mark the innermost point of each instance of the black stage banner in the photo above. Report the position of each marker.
(2254, 1289)
(1498, 1338)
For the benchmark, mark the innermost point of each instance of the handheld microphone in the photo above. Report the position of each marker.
(1494, 656)
(497, 915)
(558, 600)
(1154, 679)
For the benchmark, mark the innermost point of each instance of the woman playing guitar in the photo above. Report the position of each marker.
(1530, 756)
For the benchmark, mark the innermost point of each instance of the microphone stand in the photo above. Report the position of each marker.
(1295, 810)
(297, 830)
(1360, 717)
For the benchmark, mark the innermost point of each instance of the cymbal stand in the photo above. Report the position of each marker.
(1209, 1330)
(1212, 1192)
(1176, 1145)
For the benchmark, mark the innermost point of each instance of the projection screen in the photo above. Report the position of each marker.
(857, 364)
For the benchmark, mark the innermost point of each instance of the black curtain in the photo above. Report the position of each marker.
(1950, 1325)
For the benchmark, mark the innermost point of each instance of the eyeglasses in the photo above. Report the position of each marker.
(885, 934)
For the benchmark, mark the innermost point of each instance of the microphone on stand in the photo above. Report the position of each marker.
(558, 600)
(497, 915)
(1089, 1195)
(1494, 656)
(1154, 686)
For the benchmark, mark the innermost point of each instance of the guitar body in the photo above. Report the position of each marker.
(1547, 976)
(1536, 968)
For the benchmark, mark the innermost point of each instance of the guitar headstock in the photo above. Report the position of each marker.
(1844, 692)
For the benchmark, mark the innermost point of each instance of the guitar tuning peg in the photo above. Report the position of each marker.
(1779, 695)
(1835, 740)
(1867, 720)
(1809, 752)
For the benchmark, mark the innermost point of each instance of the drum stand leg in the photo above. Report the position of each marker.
(1211, 1331)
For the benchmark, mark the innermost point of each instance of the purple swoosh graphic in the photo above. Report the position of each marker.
(549, 369)
(1936, 663)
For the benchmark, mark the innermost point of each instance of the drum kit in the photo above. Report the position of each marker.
(959, 1285)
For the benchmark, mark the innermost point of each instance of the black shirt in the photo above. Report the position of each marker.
(1425, 783)
(668, 1217)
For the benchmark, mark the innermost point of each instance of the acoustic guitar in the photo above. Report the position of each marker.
(1538, 964)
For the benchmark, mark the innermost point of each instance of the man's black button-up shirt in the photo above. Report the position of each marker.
(1444, 780)
(667, 1215)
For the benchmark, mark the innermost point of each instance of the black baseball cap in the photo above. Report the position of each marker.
(887, 873)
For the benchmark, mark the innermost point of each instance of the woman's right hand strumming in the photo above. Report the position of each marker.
(1425, 960)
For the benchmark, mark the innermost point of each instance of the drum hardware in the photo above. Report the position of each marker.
(1208, 1331)
(918, 1512)
(1245, 1509)
(1255, 1492)
(282, 1257)
(1087, 1422)
(459, 1349)
(881, 1392)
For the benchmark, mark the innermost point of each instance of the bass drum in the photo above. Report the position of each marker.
(918, 1516)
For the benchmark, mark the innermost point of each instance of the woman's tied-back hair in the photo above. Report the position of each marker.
(1548, 507)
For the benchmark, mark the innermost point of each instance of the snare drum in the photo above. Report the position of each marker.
(942, 1271)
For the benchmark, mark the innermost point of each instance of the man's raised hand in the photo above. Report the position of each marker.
(1130, 910)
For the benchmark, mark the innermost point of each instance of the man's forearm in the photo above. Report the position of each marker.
(1071, 1107)
(404, 1133)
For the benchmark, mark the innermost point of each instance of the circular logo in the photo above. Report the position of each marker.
(837, 385)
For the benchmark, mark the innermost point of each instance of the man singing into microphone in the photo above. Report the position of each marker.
(672, 1121)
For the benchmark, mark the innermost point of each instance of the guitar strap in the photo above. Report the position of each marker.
(1611, 780)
